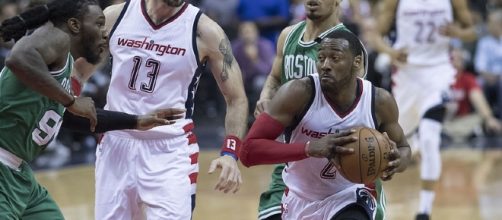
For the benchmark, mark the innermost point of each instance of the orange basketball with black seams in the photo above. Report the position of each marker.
(370, 157)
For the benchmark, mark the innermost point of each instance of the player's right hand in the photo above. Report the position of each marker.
(84, 107)
(399, 56)
(160, 117)
(261, 105)
(331, 145)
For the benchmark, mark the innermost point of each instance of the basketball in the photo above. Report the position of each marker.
(370, 157)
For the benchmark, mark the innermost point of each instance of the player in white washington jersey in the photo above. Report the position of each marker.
(158, 50)
(318, 113)
(424, 73)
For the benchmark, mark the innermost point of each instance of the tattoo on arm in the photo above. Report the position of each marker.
(228, 58)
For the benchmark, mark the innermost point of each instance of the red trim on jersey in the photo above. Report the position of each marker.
(169, 20)
(372, 187)
(393, 71)
(193, 177)
(342, 114)
(260, 146)
(188, 127)
(192, 139)
(194, 158)
(76, 87)
(100, 138)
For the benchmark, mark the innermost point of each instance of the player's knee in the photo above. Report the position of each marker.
(436, 113)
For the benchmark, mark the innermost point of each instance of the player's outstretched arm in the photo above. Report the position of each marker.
(260, 146)
(112, 120)
(214, 48)
(273, 81)
(387, 115)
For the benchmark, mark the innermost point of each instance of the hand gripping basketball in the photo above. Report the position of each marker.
(372, 153)
(331, 145)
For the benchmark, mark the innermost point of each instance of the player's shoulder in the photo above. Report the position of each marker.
(114, 9)
(287, 30)
(298, 87)
(383, 98)
(57, 36)
(207, 27)
(283, 35)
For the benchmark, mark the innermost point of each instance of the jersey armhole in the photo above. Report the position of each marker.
(124, 9)
(194, 38)
(373, 109)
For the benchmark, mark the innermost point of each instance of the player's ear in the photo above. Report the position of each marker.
(358, 61)
(74, 25)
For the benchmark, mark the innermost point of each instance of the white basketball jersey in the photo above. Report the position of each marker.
(154, 66)
(417, 24)
(317, 178)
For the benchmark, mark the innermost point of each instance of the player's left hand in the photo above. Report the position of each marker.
(159, 118)
(230, 177)
(394, 164)
(450, 30)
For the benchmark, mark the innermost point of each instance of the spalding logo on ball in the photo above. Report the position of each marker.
(370, 157)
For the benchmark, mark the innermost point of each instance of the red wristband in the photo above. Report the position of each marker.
(231, 146)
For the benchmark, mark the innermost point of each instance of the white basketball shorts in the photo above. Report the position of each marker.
(295, 207)
(419, 88)
(145, 178)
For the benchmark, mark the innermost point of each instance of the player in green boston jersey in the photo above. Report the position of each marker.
(34, 91)
(296, 57)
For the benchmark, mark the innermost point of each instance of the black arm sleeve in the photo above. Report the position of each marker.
(107, 121)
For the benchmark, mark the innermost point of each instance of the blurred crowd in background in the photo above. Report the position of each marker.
(253, 27)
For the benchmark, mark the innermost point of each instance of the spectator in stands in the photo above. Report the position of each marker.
(488, 61)
(270, 16)
(255, 56)
(466, 94)
(223, 13)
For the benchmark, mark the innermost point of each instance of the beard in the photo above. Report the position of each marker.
(174, 3)
(92, 56)
(313, 16)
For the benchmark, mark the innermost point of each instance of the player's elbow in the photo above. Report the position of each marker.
(12, 61)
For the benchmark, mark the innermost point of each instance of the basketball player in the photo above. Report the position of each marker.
(296, 57)
(317, 113)
(424, 29)
(158, 50)
(34, 92)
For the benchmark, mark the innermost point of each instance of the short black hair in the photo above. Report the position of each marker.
(355, 44)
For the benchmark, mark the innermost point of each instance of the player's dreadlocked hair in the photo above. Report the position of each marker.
(57, 11)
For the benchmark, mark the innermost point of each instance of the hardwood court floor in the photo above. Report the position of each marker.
(470, 189)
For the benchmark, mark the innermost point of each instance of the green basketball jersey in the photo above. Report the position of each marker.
(300, 57)
(29, 120)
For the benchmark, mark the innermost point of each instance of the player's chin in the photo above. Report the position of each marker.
(326, 80)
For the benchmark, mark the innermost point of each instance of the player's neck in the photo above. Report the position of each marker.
(315, 28)
(158, 11)
(344, 96)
